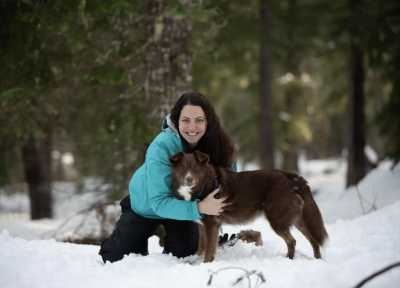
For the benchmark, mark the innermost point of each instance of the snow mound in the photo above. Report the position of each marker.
(356, 249)
(379, 188)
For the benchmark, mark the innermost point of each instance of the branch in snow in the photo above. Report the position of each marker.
(359, 198)
(247, 275)
(377, 273)
(100, 215)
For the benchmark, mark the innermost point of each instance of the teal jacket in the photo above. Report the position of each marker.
(150, 187)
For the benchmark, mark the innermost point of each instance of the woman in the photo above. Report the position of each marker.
(192, 125)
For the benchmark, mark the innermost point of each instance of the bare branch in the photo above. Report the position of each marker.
(359, 198)
(247, 274)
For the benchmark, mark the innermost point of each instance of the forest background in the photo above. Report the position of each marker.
(84, 85)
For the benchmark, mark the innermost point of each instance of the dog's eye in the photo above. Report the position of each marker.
(181, 169)
(195, 168)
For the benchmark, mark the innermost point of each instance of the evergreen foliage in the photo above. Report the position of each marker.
(78, 69)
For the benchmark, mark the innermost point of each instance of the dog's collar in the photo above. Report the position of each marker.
(216, 196)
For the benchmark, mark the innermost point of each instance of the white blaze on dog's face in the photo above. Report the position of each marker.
(188, 173)
(185, 189)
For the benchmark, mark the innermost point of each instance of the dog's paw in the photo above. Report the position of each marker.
(251, 236)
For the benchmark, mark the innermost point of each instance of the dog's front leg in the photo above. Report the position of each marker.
(212, 227)
(202, 240)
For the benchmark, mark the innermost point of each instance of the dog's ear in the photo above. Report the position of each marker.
(203, 158)
(174, 159)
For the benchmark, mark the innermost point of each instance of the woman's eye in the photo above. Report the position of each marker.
(200, 120)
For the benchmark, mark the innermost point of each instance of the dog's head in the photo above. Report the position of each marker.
(189, 172)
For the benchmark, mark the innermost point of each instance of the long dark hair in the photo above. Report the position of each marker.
(216, 142)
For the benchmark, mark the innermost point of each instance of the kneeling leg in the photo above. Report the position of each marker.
(130, 235)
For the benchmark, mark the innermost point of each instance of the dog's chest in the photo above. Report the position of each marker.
(185, 192)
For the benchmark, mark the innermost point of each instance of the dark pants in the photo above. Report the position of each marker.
(133, 231)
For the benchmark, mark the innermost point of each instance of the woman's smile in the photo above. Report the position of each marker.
(192, 134)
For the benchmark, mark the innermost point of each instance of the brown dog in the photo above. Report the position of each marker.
(281, 197)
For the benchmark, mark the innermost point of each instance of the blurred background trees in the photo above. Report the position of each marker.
(84, 85)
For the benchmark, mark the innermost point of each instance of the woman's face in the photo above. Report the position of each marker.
(192, 124)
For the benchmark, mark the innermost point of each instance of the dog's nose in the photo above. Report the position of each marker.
(189, 180)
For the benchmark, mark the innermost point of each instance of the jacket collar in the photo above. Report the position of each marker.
(168, 125)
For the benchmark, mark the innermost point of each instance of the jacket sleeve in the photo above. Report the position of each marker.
(160, 193)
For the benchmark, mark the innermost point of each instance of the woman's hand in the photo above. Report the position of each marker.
(212, 206)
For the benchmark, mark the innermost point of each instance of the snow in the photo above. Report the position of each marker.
(359, 244)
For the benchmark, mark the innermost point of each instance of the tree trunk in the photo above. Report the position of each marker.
(355, 108)
(376, 138)
(167, 59)
(266, 114)
(291, 152)
(37, 163)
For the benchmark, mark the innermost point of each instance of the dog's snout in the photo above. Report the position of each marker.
(189, 179)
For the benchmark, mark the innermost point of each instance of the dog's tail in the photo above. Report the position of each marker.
(311, 215)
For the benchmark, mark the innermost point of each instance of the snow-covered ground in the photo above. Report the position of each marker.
(358, 245)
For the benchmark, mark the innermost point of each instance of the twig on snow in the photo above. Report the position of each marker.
(373, 204)
(377, 273)
(247, 275)
(84, 212)
(359, 198)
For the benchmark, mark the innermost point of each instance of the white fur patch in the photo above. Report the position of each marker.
(185, 192)
(199, 221)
